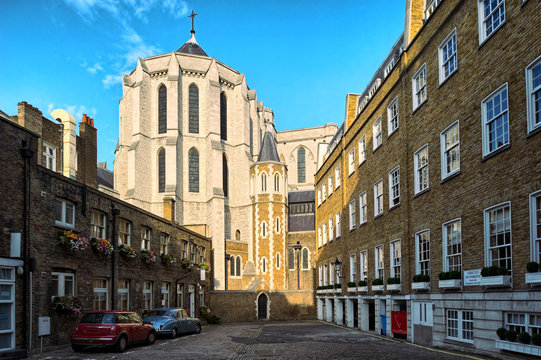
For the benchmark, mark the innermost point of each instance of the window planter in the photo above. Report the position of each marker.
(424, 285)
(339, 290)
(518, 347)
(533, 278)
(394, 287)
(450, 284)
(362, 288)
(377, 288)
(321, 291)
(496, 281)
(329, 291)
(352, 289)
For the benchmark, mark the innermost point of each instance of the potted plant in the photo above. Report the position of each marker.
(362, 286)
(321, 289)
(536, 339)
(101, 246)
(533, 275)
(507, 341)
(168, 259)
(148, 256)
(421, 282)
(524, 337)
(495, 276)
(393, 284)
(127, 251)
(72, 242)
(337, 287)
(352, 287)
(185, 263)
(66, 305)
(377, 284)
(450, 280)
(501, 333)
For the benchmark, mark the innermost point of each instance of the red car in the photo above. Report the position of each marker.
(111, 328)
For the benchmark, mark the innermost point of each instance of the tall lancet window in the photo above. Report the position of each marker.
(193, 109)
(301, 165)
(193, 176)
(223, 116)
(225, 176)
(162, 110)
(161, 170)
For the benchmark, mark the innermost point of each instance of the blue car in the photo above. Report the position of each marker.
(172, 321)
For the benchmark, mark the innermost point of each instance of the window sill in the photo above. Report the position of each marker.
(389, 135)
(448, 76)
(496, 152)
(362, 162)
(484, 41)
(353, 229)
(463, 343)
(533, 132)
(378, 215)
(394, 207)
(450, 176)
(374, 150)
(363, 223)
(421, 192)
(418, 106)
(64, 226)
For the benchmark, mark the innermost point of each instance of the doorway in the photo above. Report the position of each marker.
(371, 315)
(262, 305)
(191, 292)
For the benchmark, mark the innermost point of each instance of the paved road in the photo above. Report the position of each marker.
(268, 340)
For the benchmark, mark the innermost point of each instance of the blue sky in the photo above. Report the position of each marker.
(302, 57)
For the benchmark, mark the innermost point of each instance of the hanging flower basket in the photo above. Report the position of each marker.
(67, 305)
(149, 257)
(185, 263)
(168, 259)
(101, 246)
(205, 266)
(127, 251)
(72, 242)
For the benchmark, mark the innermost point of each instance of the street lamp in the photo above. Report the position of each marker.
(227, 258)
(297, 247)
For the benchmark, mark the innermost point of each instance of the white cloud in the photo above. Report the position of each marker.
(110, 80)
(94, 69)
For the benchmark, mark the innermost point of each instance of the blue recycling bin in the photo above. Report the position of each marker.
(383, 318)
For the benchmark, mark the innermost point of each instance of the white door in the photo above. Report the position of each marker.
(191, 292)
(422, 313)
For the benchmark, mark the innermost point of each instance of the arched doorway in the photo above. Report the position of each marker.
(262, 306)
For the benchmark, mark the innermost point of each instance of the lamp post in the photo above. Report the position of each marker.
(297, 247)
(227, 258)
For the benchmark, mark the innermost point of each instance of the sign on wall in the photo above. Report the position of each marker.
(472, 277)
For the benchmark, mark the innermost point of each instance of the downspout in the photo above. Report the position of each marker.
(115, 213)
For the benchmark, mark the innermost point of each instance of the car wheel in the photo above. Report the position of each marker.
(77, 348)
(174, 333)
(197, 328)
(121, 344)
(151, 337)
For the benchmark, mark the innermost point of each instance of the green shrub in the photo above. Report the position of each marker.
(444, 275)
(421, 278)
(337, 286)
(377, 282)
(393, 280)
(524, 337)
(501, 333)
(213, 319)
(362, 283)
(532, 267)
(351, 284)
(511, 335)
(494, 271)
(536, 339)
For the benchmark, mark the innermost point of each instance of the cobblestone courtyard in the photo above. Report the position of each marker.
(268, 340)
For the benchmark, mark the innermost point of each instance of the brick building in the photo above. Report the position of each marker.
(36, 268)
(436, 170)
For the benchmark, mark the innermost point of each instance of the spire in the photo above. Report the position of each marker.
(268, 150)
(191, 46)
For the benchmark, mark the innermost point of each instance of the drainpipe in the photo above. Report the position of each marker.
(115, 213)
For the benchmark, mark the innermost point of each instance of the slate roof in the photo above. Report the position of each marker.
(302, 196)
(106, 178)
(268, 150)
(192, 47)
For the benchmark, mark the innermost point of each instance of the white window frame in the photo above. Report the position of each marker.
(445, 233)
(522, 322)
(148, 292)
(165, 290)
(323, 192)
(320, 275)
(329, 184)
(392, 115)
(124, 291)
(446, 149)
(98, 224)
(362, 150)
(146, 235)
(378, 198)
(483, 36)
(331, 229)
(486, 122)
(353, 268)
(164, 244)
(419, 171)
(49, 156)
(337, 177)
(65, 209)
(377, 134)
(324, 233)
(104, 290)
(325, 273)
(379, 265)
(352, 212)
(331, 273)
(351, 158)
(394, 187)
(319, 237)
(530, 96)
(363, 259)
(453, 58)
(535, 237)
(61, 283)
(460, 321)
(319, 196)
(488, 248)
(417, 93)
(396, 261)
(263, 182)
(418, 260)
(363, 214)
(124, 237)
(338, 225)
(9, 282)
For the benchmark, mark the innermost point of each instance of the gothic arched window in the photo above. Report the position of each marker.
(225, 176)
(223, 116)
(161, 170)
(263, 182)
(264, 265)
(278, 225)
(263, 229)
(276, 182)
(232, 265)
(301, 165)
(193, 170)
(237, 235)
(291, 259)
(277, 260)
(162, 109)
(193, 109)
(305, 260)
(237, 263)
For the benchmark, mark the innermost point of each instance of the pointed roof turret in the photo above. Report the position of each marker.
(268, 150)
(191, 46)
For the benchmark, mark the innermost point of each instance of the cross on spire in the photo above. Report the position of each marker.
(192, 15)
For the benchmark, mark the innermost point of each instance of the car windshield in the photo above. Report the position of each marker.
(98, 318)
(158, 313)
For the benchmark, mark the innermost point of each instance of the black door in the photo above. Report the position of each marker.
(262, 306)
(355, 314)
(371, 316)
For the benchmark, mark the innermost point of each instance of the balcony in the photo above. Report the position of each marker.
(394, 287)
(377, 288)
(422, 286)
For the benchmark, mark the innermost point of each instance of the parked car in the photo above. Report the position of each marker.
(172, 321)
(111, 328)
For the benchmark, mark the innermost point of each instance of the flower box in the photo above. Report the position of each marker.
(533, 278)
(377, 287)
(329, 291)
(339, 290)
(321, 291)
(518, 347)
(496, 281)
(362, 288)
(352, 289)
(450, 284)
(394, 287)
(424, 285)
